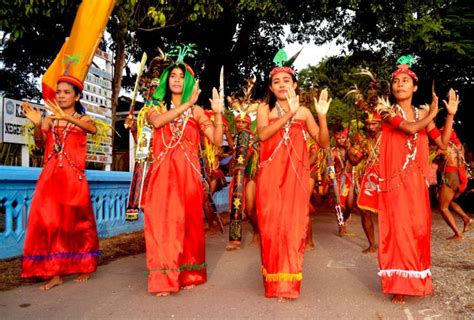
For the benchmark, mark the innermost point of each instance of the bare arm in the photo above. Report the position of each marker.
(322, 107)
(131, 125)
(213, 132)
(85, 123)
(34, 115)
(266, 130)
(452, 107)
(159, 120)
(414, 127)
(313, 156)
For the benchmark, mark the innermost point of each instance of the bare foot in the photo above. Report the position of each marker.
(456, 237)
(83, 277)
(211, 231)
(255, 239)
(398, 299)
(55, 281)
(370, 249)
(468, 225)
(343, 230)
(233, 245)
(310, 245)
(163, 294)
(284, 299)
(188, 287)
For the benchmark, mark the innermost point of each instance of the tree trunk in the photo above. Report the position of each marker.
(119, 63)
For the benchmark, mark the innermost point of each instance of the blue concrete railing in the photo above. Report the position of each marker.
(109, 192)
(109, 195)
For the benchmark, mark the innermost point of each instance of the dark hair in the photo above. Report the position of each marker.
(270, 97)
(167, 98)
(337, 128)
(78, 107)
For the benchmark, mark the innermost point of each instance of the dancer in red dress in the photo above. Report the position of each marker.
(61, 237)
(283, 181)
(174, 228)
(404, 208)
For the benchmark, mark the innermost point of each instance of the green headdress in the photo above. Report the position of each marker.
(180, 51)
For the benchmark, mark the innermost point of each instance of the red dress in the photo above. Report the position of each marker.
(404, 213)
(283, 209)
(61, 237)
(174, 226)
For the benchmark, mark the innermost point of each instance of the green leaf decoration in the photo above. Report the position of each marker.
(72, 59)
(182, 50)
(408, 59)
(280, 58)
(289, 62)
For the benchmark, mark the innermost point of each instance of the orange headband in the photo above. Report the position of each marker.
(71, 80)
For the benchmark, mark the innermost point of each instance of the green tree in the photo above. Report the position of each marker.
(29, 48)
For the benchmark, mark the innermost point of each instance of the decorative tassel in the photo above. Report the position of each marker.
(281, 276)
(405, 273)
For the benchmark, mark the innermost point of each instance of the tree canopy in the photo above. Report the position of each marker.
(244, 35)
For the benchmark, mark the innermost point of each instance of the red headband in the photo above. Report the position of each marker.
(344, 133)
(71, 80)
(404, 68)
(372, 117)
(282, 69)
(245, 118)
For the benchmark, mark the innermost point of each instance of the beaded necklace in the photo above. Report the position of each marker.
(286, 140)
(58, 147)
(177, 127)
(287, 126)
(60, 139)
(374, 149)
(410, 143)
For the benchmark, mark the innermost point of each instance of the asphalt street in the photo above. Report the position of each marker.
(339, 282)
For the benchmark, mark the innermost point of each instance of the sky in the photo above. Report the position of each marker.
(312, 54)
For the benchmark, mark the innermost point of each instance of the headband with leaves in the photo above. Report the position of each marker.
(180, 51)
(404, 66)
(283, 63)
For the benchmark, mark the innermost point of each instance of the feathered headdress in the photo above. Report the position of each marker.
(151, 76)
(244, 105)
(368, 104)
(283, 63)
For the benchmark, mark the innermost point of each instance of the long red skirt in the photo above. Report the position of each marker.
(61, 236)
(283, 210)
(174, 227)
(404, 215)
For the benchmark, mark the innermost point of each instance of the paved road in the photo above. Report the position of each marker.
(338, 283)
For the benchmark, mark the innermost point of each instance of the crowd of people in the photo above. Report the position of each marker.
(281, 171)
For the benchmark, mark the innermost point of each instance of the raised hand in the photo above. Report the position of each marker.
(195, 94)
(130, 123)
(434, 106)
(32, 114)
(322, 105)
(453, 102)
(293, 99)
(57, 112)
(217, 101)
